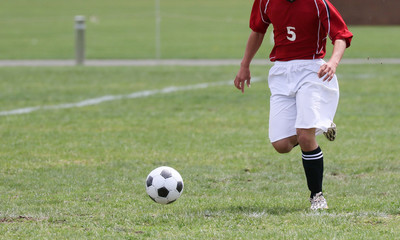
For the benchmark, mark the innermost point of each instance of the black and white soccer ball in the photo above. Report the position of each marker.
(164, 185)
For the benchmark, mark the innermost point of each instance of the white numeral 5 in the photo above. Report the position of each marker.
(291, 34)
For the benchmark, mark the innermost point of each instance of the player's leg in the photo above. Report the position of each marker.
(314, 114)
(313, 163)
(312, 159)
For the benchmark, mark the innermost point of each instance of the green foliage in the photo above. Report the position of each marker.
(79, 173)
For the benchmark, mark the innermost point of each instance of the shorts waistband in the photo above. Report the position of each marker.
(298, 62)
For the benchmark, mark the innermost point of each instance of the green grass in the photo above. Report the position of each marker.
(125, 29)
(79, 173)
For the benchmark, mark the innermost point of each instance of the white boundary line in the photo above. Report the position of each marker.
(172, 62)
(108, 98)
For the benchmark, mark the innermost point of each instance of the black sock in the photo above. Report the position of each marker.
(313, 163)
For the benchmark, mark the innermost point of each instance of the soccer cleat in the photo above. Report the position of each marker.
(318, 202)
(330, 134)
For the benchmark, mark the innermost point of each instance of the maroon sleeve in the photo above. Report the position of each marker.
(334, 23)
(259, 22)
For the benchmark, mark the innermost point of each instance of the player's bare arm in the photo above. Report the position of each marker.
(329, 69)
(253, 44)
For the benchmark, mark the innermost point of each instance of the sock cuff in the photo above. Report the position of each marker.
(313, 155)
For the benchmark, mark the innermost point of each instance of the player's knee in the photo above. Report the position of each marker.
(306, 140)
(282, 147)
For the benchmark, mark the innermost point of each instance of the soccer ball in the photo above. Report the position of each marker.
(164, 185)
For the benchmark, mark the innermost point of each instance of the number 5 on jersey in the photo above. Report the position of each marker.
(291, 34)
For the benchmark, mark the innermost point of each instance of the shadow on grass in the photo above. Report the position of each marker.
(255, 211)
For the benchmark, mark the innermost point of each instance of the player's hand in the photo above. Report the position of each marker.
(242, 77)
(327, 71)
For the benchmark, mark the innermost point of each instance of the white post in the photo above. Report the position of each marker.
(79, 40)
(158, 29)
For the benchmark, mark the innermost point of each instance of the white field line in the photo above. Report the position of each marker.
(172, 62)
(108, 98)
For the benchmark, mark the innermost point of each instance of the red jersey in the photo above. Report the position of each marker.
(300, 27)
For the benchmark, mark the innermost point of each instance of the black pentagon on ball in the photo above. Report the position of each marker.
(166, 174)
(149, 181)
(163, 192)
(179, 186)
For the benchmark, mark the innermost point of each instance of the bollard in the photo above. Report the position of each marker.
(79, 40)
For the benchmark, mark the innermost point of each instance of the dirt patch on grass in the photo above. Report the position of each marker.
(20, 219)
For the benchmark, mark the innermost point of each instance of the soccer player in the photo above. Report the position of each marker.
(304, 88)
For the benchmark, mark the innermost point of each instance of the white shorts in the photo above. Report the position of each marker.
(300, 99)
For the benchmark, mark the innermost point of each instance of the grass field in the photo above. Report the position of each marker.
(79, 173)
(70, 172)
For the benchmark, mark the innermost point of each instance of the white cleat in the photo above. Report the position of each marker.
(318, 202)
(330, 134)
